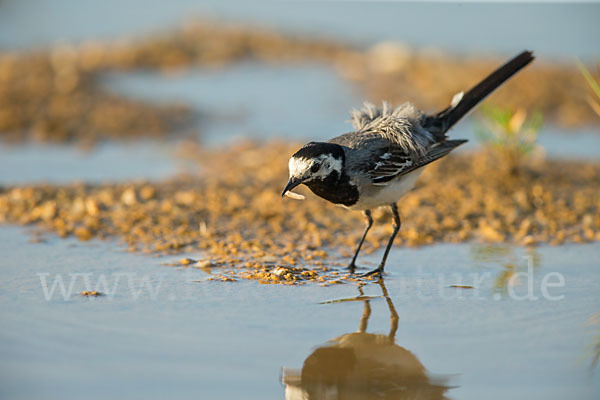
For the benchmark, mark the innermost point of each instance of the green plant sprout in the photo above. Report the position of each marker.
(594, 102)
(594, 322)
(510, 134)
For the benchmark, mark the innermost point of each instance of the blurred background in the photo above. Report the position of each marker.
(214, 71)
(559, 31)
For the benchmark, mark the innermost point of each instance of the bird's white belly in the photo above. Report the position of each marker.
(376, 196)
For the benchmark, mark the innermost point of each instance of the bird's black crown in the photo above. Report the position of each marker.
(315, 149)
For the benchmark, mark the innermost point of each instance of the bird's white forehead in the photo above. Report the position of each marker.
(298, 166)
(301, 166)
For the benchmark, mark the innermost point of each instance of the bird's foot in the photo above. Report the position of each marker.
(351, 267)
(377, 272)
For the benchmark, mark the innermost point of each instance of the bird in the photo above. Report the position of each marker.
(380, 160)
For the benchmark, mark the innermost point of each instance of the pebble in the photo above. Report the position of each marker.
(91, 293)
(203, 264)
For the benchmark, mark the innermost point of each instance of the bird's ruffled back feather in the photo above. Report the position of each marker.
(400, 125)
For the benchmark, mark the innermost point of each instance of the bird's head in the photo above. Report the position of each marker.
(316, 161)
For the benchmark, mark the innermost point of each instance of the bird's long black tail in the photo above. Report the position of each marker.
(461, 105)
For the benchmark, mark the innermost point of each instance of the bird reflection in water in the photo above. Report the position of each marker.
(363, 365)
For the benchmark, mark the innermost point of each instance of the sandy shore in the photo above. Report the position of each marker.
(234, 214)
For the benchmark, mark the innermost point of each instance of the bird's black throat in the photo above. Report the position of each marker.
(336, 189)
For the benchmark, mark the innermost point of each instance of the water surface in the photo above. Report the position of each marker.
(36, 163)
(306, 102)
(188, 337)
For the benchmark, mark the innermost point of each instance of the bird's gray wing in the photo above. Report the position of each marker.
(386, 163)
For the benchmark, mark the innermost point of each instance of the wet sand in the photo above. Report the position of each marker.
(234, 214)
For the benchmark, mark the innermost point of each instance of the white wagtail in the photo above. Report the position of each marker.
(380, 161)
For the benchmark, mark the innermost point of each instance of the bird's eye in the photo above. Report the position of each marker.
(315, 167)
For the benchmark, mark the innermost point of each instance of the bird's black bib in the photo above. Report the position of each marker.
(337, 191)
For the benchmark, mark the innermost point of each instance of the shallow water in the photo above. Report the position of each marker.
(258, 101)
(309, 102)
(221, 340)
(35, 163)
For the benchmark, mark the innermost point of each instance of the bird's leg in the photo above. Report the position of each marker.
(364, 319)
(397, 222)
(352, 265)
(393, 313)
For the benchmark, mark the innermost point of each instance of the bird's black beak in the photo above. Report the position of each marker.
(292, 183)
